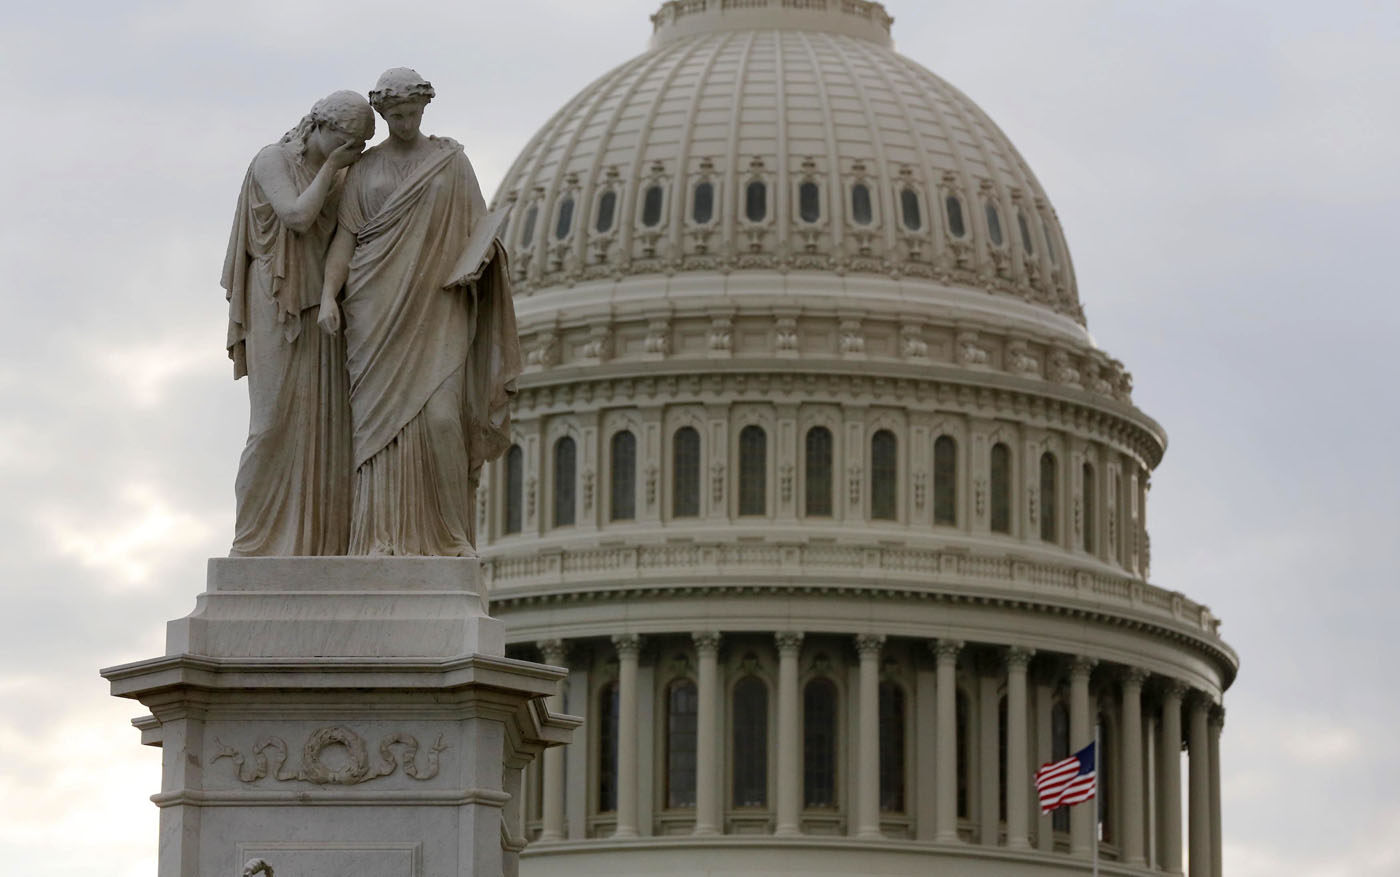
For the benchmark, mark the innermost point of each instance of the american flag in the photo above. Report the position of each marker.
(1068, 781)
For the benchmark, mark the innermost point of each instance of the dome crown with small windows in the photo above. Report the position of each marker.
(787, 135)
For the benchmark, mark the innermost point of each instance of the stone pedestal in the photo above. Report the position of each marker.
(341, 717)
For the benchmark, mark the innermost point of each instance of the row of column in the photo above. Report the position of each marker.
(1151, 829)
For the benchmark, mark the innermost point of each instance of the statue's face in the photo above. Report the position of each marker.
(330, 138)
(404, 119)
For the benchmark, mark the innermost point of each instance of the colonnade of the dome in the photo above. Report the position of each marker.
(874, 738)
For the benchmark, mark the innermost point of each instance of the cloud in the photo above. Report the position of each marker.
(131, 539)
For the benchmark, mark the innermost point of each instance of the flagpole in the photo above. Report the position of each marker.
(1094, 838)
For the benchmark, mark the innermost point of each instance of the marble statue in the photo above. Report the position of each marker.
(293, 479)
(416, 281)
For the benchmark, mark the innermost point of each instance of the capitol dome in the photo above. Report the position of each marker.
(820, 487)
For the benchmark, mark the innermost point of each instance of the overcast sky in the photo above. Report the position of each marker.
(1227, 176)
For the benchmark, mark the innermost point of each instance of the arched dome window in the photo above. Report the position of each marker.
(753, 477)
(685, 473)
(884, 470)
(909, 209)
(527, 234)
(957, 227)
(818, 472)
(1050, 243)
(1049, 490)
(515, 489)
(1001, 488)
(1090, 509)
(1026, 243)
(702, 206)
(607, 748)
(994, 225)
(564, 471)
(607, 211)
(1059, 748)
(819, 743)
(623, 499)
(755, 201)
(809, 202)
(565, 223)
(862, 212)
(750, 767)
(945, 481)
(652, 202)
(681, 710)
(891, 748)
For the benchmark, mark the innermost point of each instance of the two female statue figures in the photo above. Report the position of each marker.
(370, 308)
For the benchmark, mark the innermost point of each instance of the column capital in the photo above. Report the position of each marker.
(1018, 657)
(628, 645)
(946, 649)
(554, 651)
(870, 644)
(789, 641)
(1175, 689)
(1199, 701)
(1080, 666)
(706, 641)
(1217, 718)
(1133, 676)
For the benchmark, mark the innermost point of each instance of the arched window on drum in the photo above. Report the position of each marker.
(945, 481)
(1000, 488)
(817, 474)
(753, 475)
(681, 710)
(565, 467)
(514, 490)
(685, 473)
(607, 748)
(1049, 493)
(623, 493)
(892, 747)
(884, 471)
(749, 769)
(819, 744)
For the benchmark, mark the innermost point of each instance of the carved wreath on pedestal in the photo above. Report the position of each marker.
(357, 769)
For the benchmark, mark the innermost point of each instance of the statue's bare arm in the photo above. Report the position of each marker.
(298, 211)
(337, 270)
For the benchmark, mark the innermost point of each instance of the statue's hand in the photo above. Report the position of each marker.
(329, 318)
(346, 155)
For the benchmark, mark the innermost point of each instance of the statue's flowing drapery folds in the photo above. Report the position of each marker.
(293, 478)
(431, 350)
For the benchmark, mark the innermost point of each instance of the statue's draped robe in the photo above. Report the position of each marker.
(293, 484)
(431, 362)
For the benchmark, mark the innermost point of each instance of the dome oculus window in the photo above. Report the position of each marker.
(702, 208)
(651, 206)
(566, 219)
(861, 211)
(755, 201)
(909, 209)
(1025, 233)
(809, 202)
(607, 209)
(994, 225)
(956, 226)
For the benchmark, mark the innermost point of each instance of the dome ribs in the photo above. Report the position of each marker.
(832, 153)
(728, 217)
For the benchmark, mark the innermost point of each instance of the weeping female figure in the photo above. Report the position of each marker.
(431, 344)
(294, 476)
